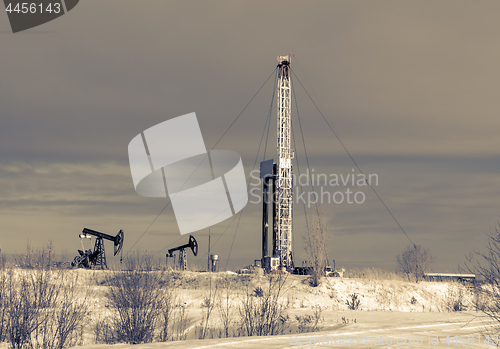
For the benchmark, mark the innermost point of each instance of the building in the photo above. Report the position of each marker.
(449, 277)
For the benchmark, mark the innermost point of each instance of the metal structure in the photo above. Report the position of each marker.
(192, 244)
(214, 262)
(284, 181)
(183, 259)
(268, 175)
(97, 258)
(278, 180)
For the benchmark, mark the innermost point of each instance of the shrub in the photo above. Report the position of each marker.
(373, 274)
(104, 333)
(315, 241)
(30, 295)
(455, 299)
(168, 308)
(136, 297)
(258, 292)
(224, 306)
(208, 305)
(353, 304)
(346, 321)
(486, 266)
(414, 261)
(266, 315)
(64, 326)
(309, 323)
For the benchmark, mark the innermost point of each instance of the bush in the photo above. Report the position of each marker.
(266, 315)
(208, 306)
(353, 304)
(64, 324)
(224, 306)
(258, 292)
(414, 262)
(315, 242)
(373, 274)
(40, 308)
(346, 321)
(136, 298)
(104, 333)
(180, 322)
(455, 298)
(486, 266)
(309, 323)
(167, 315)
(4, 304)
(31, 295)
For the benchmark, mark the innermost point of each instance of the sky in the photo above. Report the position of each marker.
(410, 87)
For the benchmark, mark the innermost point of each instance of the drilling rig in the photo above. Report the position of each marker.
(278, 181)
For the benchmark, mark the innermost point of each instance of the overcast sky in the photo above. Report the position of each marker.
(411, 87)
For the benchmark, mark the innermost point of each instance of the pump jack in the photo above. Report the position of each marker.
(192, 244)
(97, 258)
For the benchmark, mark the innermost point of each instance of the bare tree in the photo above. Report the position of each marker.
(181, 321)
(414, 261)
(136, 296)
(224, 306)
(4, 300)
(208, 306)
(486, 265)
(315, 245)
(39, 305)
(69, 315)
(31, 295)
(266, 315)
(167, 315)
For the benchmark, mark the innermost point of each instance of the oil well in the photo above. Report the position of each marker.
(96, 258)
(277, 180)
(182, 259)
(277, 198)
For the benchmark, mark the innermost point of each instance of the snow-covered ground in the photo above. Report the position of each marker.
(414, 330)
(390, 311)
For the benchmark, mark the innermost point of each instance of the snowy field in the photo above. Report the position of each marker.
(391, 313)
(368, 312)
(413, 328)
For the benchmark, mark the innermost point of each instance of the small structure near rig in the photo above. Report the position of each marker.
(97, 258)
(214, 262)
(192, 244)
(447, 277)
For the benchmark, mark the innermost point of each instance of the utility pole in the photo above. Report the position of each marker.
(209, 267)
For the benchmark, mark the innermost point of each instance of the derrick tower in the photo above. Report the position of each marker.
(277, 181)
(284, 181)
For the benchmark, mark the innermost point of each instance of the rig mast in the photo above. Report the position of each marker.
(282, 246)
(277, 182)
